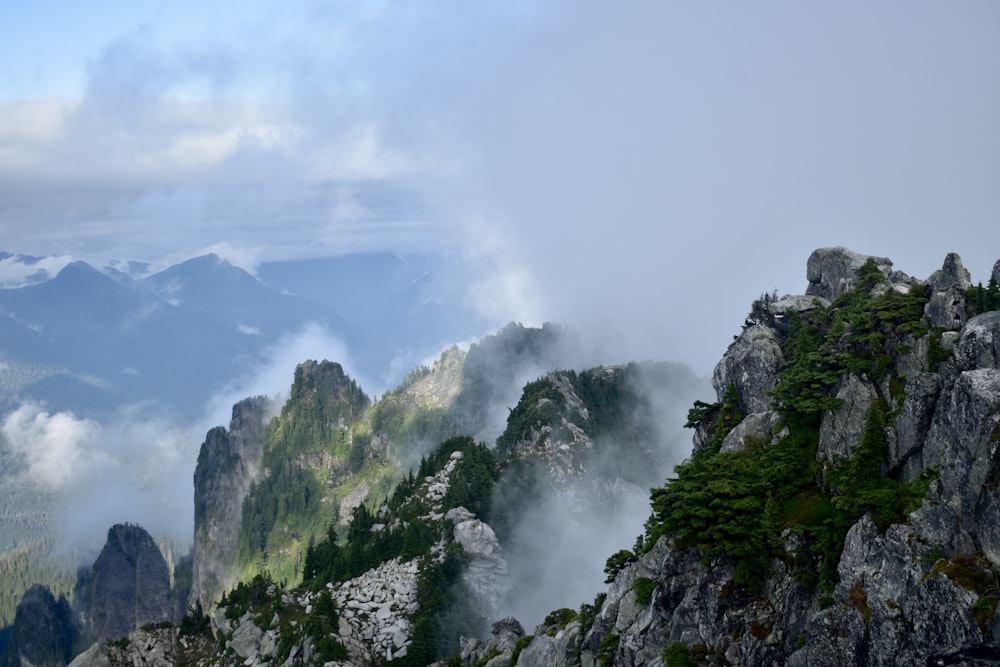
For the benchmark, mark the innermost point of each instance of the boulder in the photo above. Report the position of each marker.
(833, 271)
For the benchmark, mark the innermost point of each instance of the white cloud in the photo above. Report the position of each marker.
(273, 375)
(57, 447)
(15, 272)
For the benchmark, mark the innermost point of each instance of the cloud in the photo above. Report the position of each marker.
(57, 447)
(130, 468)
(641, 174)
(16, 271)
(272, 376)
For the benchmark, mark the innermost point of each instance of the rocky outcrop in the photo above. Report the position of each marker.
(485, 575)
(228, 463)
(923, 591)
(979, 344)
(842, 427)
(44, 630)
(130, 586)
(946, 307)
(833, 271)
(751, 364)
(153, 647)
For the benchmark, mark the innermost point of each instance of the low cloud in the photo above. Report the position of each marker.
(17, 271)
(56, 447)
(272, 376)
(129, 468)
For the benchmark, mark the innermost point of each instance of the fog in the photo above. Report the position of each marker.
(562, 537)
(133, 466)
(642, 173)
(638, 172)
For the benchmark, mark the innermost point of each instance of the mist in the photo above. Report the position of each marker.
(133, 466)
(639, 173)
(561, 538)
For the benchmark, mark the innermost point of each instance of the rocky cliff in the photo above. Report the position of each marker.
(44, 631)
(228, 463)
(130, 585)
(841, 506)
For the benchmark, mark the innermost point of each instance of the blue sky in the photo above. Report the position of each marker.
(641, 170)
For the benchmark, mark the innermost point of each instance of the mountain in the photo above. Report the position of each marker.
(421, 296)
(840, 506)
(92, 341)
(230, 297)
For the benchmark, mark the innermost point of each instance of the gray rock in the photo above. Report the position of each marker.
(798, 303)
(131, 584)
(757, 427)
(842, 427)
(833, 271)
(751, 363)
(910, 428)
(978, 345)
(246, 637)
(946, 307)
(951, 275)
(228, 462)
(507, 631)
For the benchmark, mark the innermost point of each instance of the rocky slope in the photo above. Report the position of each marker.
(869, 414)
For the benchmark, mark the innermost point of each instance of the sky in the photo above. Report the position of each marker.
(640, 171)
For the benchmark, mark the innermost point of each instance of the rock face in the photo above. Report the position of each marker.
(44, 630)
(228, 463)
(922, 591)
(485, 575)
(130, 586)
(946, 308)
(751, 364)
(833, 271)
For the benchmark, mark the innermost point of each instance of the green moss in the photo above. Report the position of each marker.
(983, 611)
(859, 598)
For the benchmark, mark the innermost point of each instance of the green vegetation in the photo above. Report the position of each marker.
(313, 447)
(737, 503)
(616, 562)
(975, 574)
(678, 655)
(519, 645)
(936, 352)
(265, 599)
(644, 588)
(979, 300)
(607, 649)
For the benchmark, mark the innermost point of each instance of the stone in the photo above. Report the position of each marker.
(833, 271)
(751, 363)
(131, 584)
(946, 307)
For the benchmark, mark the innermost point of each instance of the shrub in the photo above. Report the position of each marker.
(678, 655)
(643, 588)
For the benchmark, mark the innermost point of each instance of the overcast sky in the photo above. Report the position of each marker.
(641, 170)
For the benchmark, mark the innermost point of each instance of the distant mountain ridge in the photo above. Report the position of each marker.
(177, 335)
